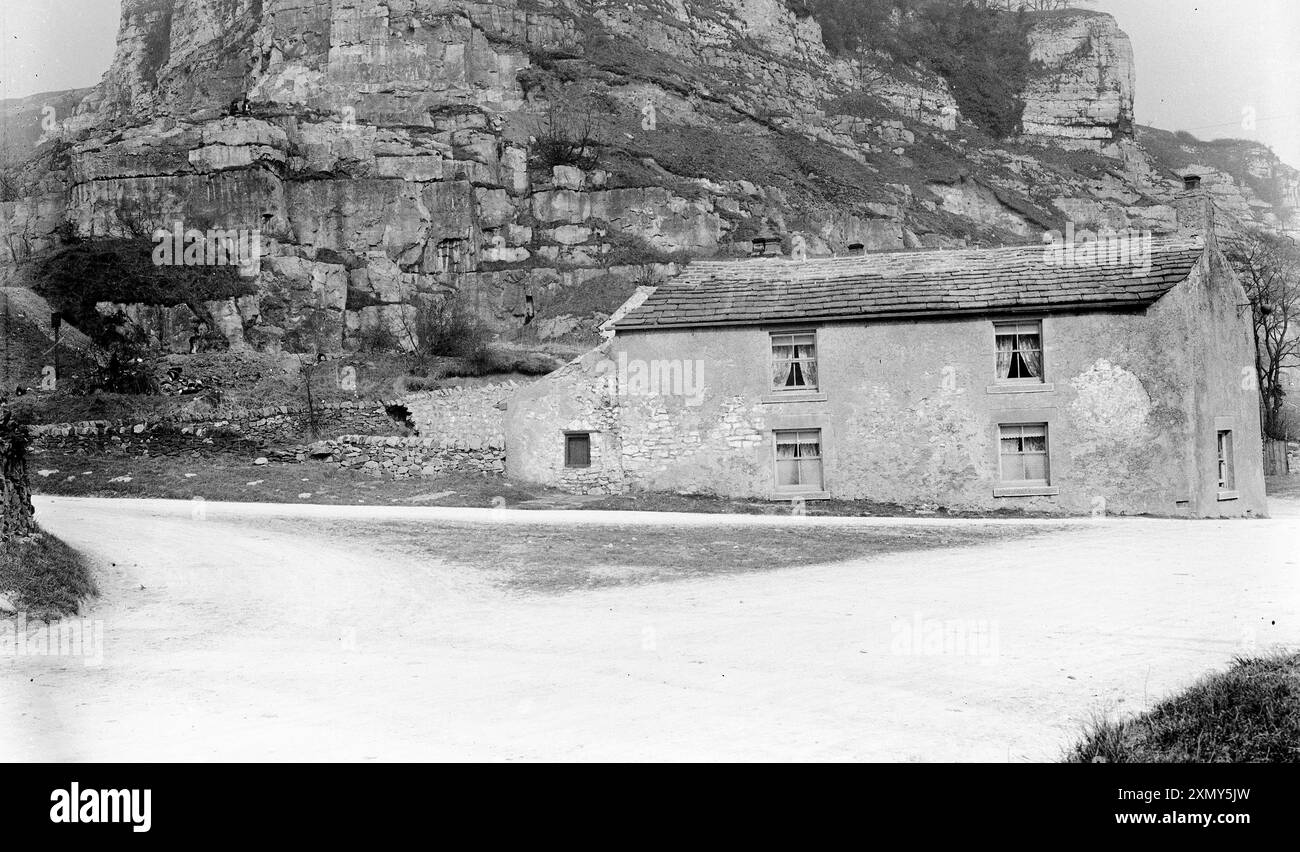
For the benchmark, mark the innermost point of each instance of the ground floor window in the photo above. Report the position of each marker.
(799, 460)
(1022, 449)
(577, 449)
(1225, 460)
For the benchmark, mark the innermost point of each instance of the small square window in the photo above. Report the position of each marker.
(1022, 454)
(794, 361)
(1019, 351)
(799, 460)
(577, 449)
(1226, 477)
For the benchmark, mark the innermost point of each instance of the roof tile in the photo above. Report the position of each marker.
(903, 283)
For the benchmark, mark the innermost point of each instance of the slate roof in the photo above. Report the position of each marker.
(905, 284)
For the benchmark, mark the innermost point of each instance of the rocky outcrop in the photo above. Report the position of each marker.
(26, 123)
(394, 155)
(1080, 94)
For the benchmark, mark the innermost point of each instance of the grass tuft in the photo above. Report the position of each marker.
(1248, 714)
(44, 577)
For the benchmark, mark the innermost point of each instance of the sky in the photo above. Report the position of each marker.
(1212, 67)
(1208, 66)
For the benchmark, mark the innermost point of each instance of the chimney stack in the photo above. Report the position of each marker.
(1194, 209)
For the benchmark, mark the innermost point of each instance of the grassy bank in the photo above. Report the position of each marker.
(44, 577)
(1248, 714)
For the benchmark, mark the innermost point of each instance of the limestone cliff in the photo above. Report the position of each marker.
(393, 153)
(1081, 94)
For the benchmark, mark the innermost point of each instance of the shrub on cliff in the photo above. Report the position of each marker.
(75, 277)
(450, 329)
(568, 134)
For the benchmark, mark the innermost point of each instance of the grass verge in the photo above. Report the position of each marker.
(549, 559)
(44, 577)
(1247, 714)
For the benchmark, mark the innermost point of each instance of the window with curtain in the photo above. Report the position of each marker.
(799, 460)
(1023, 453)
(577, 449)
(1020, 351)
(794, 361)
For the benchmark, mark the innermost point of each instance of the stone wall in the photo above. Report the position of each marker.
(461, 413)
(233, 429)
(575, 398)
(404, 458)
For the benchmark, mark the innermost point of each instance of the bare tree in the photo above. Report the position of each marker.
(312, 343)
(569, 133)
(1269, 267)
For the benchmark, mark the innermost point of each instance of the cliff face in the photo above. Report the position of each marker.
(394, 153)
(1082, 94)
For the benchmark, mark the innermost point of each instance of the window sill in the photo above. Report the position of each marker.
(793, 396)
(1229, 495)
(1026, 491)
(787, 496)
(1027, 387)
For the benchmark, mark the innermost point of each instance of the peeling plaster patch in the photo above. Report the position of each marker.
(1111, 405)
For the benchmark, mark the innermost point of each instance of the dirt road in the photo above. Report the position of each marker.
(229, 637)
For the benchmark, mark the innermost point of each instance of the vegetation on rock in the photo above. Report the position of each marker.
(982, 51)
(77, 276)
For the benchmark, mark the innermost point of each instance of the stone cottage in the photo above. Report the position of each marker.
(1078, 381)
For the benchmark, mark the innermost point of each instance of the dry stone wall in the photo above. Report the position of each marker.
(404, 458)
(460, 413)
(235, 429)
